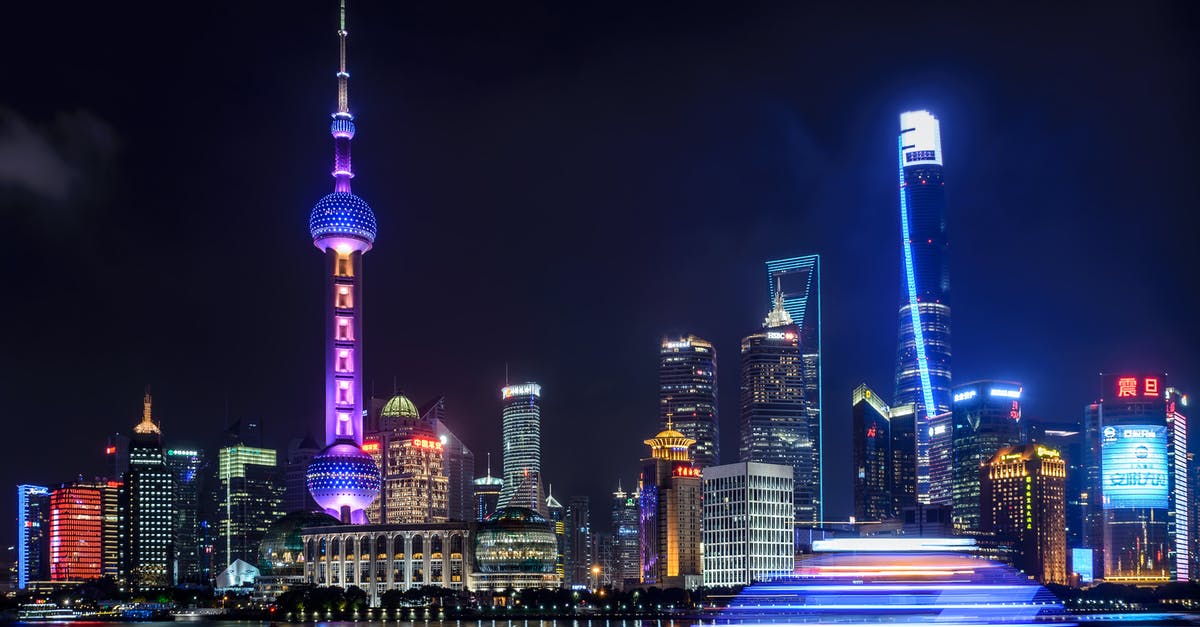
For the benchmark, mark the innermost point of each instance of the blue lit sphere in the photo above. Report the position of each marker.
(342, 214)
(342, 127)
(343, 475)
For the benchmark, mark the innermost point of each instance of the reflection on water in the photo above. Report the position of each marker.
(1126, 619)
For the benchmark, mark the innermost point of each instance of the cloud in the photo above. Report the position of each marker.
(53, 161)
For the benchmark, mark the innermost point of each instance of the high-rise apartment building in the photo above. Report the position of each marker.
(147, 510)
(798, 281)
(521, 425)
(669, 513)
(923, 352)
(1141, 436)
(76, 533)
(33, 534)
(625, 568)
(250, 495)
(748, 529)
(1023, 501)
(187, 464)
(774, 418)
(687, 393)
(579, 558)
(986, 418)
(884, 456)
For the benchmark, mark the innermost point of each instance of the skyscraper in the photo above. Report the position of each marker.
(342, 478)
(411, 459)
(748, 530)
(625, 567)
(986, 418)
(1022, 501)
(251, 495)
(775, 422)
(487, 493)
(76, 533)
(110, 524)
(923, 353)
(669, 517)
(579, 558)
(872, 439)
(458, 462)
(521, 425)
(687, 393)
(296, 497)
(33, 550)
(798, 280)
(187, 464)
(147, 506)
(556, 514)
(1067, 438)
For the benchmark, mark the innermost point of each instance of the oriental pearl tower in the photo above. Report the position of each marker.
(343, 479)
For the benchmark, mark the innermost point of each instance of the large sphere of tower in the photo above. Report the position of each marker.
(342, 221)
(343, 476)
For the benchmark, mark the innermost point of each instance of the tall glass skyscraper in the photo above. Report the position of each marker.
(521, 419)
(986, 418)
(147, 510)
(687, 394)
(33, 551)
(798, 279)
(923, 353)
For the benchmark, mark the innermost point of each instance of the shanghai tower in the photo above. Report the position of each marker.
(343, 479)
(923, 353)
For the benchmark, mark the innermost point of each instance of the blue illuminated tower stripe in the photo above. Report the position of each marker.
(913, 307)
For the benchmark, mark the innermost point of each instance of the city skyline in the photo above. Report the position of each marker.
(193, 386)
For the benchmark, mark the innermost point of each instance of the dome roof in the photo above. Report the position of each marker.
(516, 514)
(281, 551)
(342, 214)
(399, 406)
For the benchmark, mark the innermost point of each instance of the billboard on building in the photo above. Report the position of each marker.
(1081, 564)
(1134, 464)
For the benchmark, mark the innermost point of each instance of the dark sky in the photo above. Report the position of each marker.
(557, 186)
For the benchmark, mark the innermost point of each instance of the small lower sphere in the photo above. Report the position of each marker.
(343, 475)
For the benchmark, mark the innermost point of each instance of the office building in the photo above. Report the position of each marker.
(76, 533)
(625, 568)
(774, 419)
(1022, 494)
(923, 351)
(514, 548)
(798, 281)
(187, 464)
(296, 497)
(687, 393)
(411, 459)
(521, 425)
(884, 456)
(251, 497)
(457, 460)
(579, 558)
(147, 510)
(669, 513)
(33, 534)
(1179, 525)
(110, 524)
(986, 418)
(556, 517)
(1067, 438)
(343, 479)
(487, 493)
(1141, 436)
(748, 531)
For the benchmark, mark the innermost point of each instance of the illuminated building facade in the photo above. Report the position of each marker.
(579, 558)
(147, 510)
(884, 440)
(76, 533)
(251, 497)
(487, 494)
(342, 479)
(187, 464)
(669, 513)
(33, 526)
(986, 418)
(378, 558)
(458, 462)
(625, 567)
(747, 520)
(556, 516)
(1023, 490)
(515, 548)
(110, 525)
(798, 281)
(1180, 522)
(1067, 439)
(411, 459)
(923, 352)
(687, 393)
(775, 425)
(521, 426)
(1141, 440)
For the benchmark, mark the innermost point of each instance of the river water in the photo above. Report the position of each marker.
(1126, 619)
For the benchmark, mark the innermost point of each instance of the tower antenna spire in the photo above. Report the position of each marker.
(342, 75)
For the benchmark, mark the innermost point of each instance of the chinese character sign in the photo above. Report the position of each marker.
(1135, 468)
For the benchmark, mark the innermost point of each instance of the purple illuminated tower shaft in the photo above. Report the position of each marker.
(343, 479)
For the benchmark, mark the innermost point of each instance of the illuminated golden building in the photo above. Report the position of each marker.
(670, 493)
(1023, 500)
(411, 462)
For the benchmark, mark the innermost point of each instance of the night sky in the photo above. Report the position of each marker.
(557, 187)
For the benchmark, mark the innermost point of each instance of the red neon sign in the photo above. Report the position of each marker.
(112, 450)
(370, 447)
(434, 445)
(1151, 386)
(1127, 387)
(686, 471)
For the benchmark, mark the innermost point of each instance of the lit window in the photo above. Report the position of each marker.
(345, 393)
(345, 329)
(344, 298)
(344, 266)
(344, 361)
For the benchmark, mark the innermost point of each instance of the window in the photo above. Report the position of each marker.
(345, 329)
(344, 267)
(344, 297)
(344, 361)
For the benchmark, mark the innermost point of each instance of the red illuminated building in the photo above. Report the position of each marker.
(76, 533)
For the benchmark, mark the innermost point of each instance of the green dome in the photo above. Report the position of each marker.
(399, 406)
(515, 540)
(281, 551)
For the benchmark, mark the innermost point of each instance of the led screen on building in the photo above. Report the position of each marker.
(1081, 563)
(1134, 463)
